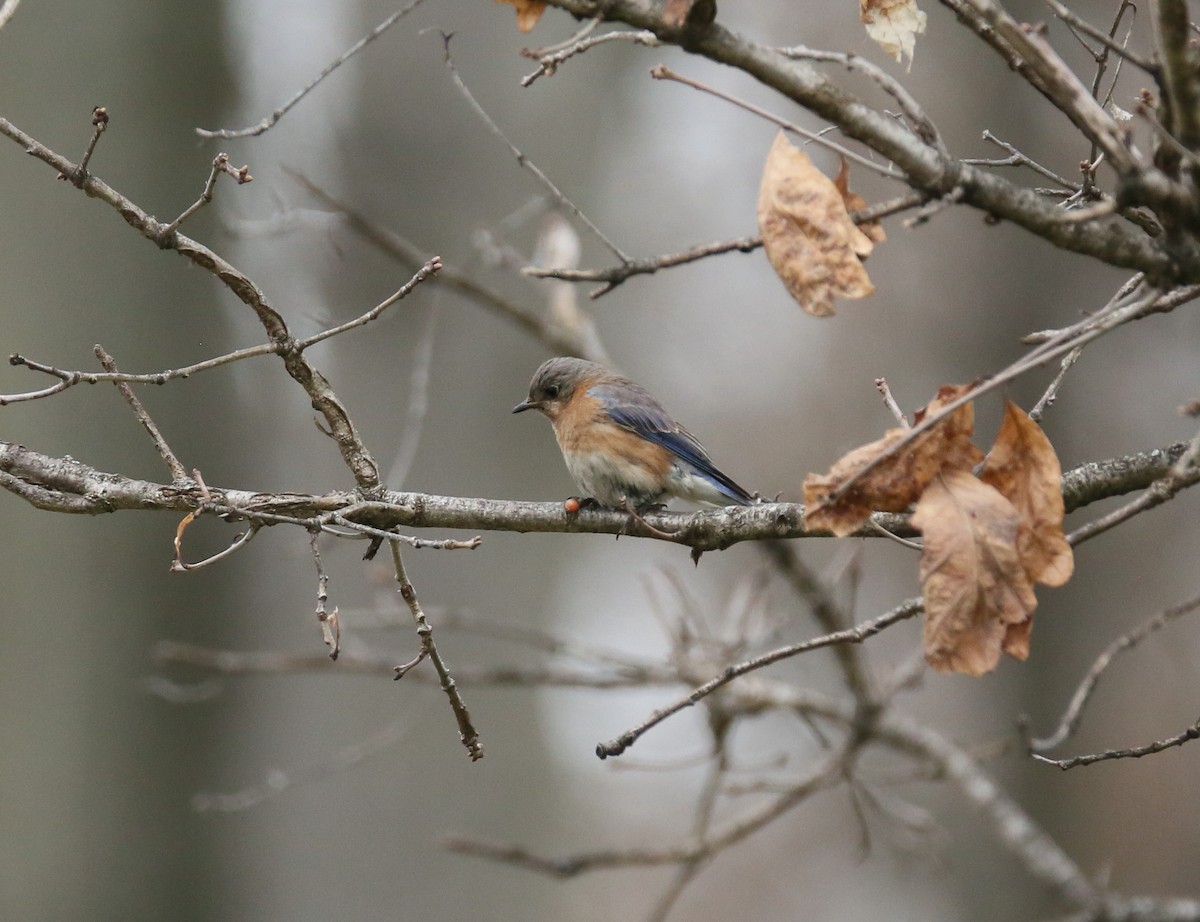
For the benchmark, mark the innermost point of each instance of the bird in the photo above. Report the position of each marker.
(622, 448)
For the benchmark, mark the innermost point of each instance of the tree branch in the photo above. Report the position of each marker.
(1108, 239)
(67, 485)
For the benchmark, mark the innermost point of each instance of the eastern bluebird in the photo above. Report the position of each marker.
(623, 449)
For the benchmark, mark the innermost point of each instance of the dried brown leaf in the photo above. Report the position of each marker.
(812, 244)
(978, 598)
(894, 484)
(855, 202)
(1022, 465)
(528, 12)
(893, 24)
(177, 565)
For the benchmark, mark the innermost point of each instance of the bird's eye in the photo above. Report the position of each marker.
(551, 391)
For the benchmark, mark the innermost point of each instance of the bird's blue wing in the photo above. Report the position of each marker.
(632, 407)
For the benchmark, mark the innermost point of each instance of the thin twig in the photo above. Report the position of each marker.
(220, 165)
(889, 401)
(922, 125)
(1071, 719)
(831, 617)
(1183, 473)
(178, 471)
(430, 267)
(68, 378)
(661, 72)
(523, 160)
(1017, 158)
(904, 542)
(615, 275)
(559, 340)
(585, 30)
(420, 368)
(1135, 752)
(932, 207)
(548, 63)
(1118, 313)
(71, 378)
(267, 123)
(856, 634)
(443, 544)
(1051, 394)
(100, 125)
(279, 781)
(1063, 12)
(178, 565)
(823, 775)
(331, 628)
(466, 730)
(701, 828)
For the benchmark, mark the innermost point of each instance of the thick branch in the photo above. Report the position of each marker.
(66, 485)
(1109, 240)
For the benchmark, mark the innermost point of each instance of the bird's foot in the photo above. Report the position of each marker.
(635, 515)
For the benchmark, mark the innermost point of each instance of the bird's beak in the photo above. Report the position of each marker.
(524, 405)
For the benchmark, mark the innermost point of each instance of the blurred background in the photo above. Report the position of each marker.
(106, 758)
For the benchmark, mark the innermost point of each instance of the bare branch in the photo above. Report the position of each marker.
(922, 124)
(430, 267)
(354, 453)
(1136, 752)
(615, 275)
(1051, 393)
(854, 635)
(331, 629)
(825, 774)
(557, 339)
(220, 165)
(269, 122)
(178, 471)
(1119, 311)
(1074, 714)
(523, 160)
(1016, 158)
(1063, 12)
(659, 72)
(67, 485)
(466, 730)
(548, 62)
(920, 164)
(889, 401)
(71, 378)
(279, 781)
(1185, 472)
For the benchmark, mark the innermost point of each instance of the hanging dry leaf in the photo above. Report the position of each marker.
(896, 483)
(978, 599)
(528, 12)
(1022, 465)
(855, 202)
(893, 24)
(812, 244)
